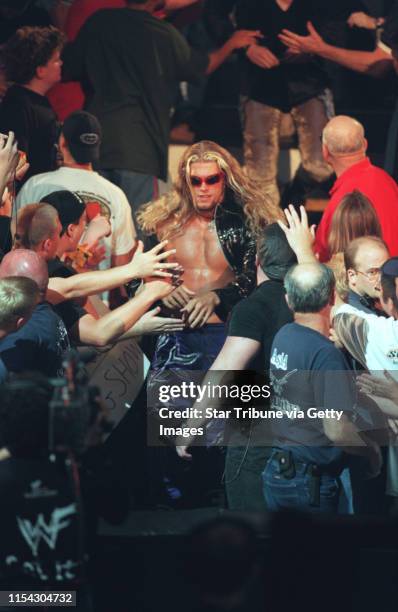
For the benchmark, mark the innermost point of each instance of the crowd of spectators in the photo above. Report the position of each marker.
(211, 279)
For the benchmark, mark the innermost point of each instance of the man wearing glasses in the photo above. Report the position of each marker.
(344, 148)
(363, 259)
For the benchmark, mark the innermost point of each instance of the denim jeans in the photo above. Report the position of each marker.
(295, 493)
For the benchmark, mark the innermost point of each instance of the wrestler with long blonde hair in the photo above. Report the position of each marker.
(169, 214)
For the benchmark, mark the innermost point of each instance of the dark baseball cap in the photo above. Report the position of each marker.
(83, 134)
(69, 206)
(274, 253)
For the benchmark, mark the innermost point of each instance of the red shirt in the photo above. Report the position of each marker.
(381, 190)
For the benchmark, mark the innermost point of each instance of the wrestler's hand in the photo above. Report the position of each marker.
(200, 308)
(152, 262)
(313, 43)
(262, 57)
(299, 236)
(151, 324)
(179, 298)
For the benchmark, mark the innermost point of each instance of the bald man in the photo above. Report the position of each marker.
(39, 344)
(344, 148)
(306, 368)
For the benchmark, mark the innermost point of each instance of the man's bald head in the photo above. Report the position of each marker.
(344, 136)
(309, 287)
(22, 262)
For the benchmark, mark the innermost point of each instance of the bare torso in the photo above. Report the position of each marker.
(200, 254)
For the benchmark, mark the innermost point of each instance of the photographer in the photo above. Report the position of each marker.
(44, 540)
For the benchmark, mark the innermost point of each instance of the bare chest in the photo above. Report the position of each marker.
(200, 254)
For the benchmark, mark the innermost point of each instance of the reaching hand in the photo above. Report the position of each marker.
(9, 158)
(98, 254)
(313, 43)
(179, 298)
(379, 387)
(152, 263)
(299, 236)
(262, 57)
(98, 228)
(156, 288)
(182, 452)
(150, 323)
(360, 19)
(23, 167)
(200, 308)
(244, 38)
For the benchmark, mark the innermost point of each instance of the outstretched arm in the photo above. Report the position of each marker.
(299, 235)
(373, 62)
(142, 265)
(116, 323)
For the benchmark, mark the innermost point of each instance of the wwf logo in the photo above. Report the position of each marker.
(89, 138)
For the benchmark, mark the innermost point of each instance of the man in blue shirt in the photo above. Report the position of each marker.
(313, 399)
(40, 343)
(18, 298)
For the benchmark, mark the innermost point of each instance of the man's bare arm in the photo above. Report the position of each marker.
(113, 325)
(142, 265)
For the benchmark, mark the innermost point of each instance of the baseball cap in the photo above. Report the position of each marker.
(83, 134)
(274, 253)
(69, 206)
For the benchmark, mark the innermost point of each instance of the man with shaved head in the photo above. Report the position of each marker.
(18, 297)
(344, 148)
(38, 344)
(315, 421)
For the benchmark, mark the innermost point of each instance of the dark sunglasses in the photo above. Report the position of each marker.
(197, 181)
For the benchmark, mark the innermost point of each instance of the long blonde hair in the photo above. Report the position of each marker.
(167, 215)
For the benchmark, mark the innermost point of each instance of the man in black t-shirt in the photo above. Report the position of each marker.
(313, 399)
(32, 62)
